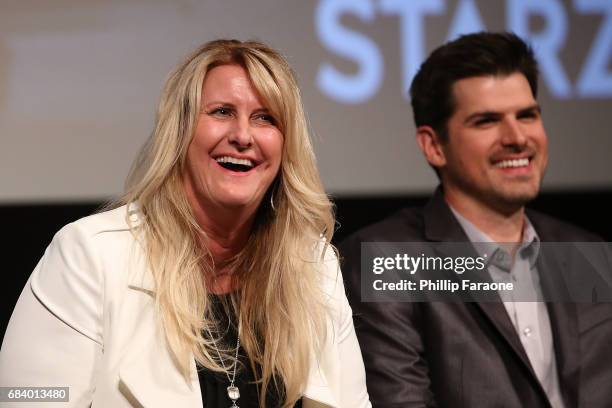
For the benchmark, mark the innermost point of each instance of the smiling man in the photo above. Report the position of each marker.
(495, 160)
(480, 127)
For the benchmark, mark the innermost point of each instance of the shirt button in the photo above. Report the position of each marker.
(527, 331)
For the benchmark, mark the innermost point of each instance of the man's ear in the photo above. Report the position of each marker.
(431, 146)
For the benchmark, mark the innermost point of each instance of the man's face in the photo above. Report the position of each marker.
(496, 152)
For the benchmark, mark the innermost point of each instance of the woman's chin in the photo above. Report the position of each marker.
(238, 202)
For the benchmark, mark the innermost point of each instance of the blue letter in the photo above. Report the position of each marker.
(466, 20)
(594, 80)
(412, 36)
(363, 51)
(547, 43)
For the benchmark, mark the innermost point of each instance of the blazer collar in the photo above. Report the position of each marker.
(149, 373)
(440, 223)
(563, 321)
(553, 267)
(140, 276)
(442, 226)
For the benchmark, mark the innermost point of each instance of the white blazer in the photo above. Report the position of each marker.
(86, 320)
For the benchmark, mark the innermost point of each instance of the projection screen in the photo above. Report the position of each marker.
(79, 83)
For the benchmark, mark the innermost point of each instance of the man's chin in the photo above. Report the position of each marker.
(515, 199)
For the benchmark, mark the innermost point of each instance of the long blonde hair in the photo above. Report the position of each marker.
(279, 299)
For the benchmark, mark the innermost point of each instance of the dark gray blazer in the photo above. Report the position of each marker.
(469, 354)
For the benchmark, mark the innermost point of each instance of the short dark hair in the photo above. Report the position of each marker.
(471, 55)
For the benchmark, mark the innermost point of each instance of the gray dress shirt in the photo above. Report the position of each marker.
(524, 305)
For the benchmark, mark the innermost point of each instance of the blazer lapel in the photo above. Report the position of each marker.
(563, 321)
(148, 372)
(442, 226)
(152, 378)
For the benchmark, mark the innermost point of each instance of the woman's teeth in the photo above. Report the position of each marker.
(233, 160)
(234, 164)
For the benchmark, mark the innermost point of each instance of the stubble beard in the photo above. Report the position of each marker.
(512, 195)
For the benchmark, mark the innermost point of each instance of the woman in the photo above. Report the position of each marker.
(213, 282)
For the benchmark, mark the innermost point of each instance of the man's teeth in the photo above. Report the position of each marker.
(233, 160)
(504, 164)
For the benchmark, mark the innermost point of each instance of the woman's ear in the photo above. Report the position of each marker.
(431, 146)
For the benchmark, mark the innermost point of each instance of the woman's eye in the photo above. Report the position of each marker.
(266, 118)
(220, 112)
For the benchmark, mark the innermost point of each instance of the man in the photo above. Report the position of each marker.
(479, 126)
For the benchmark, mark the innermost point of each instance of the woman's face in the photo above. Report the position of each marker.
(236, 151)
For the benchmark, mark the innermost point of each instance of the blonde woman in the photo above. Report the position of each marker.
(213, 282)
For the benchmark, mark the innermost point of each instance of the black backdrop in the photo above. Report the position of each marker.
(28, 228)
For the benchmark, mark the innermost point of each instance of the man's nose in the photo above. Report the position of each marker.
(513, 134)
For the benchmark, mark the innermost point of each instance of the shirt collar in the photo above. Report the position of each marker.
(530, 247)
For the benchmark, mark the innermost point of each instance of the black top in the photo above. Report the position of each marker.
(214, 385)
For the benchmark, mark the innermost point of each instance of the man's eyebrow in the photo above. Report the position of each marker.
(494, 114)
(529, 109)
(480, 115)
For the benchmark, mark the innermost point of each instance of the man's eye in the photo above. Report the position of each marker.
(528, 116)
(484, 121)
